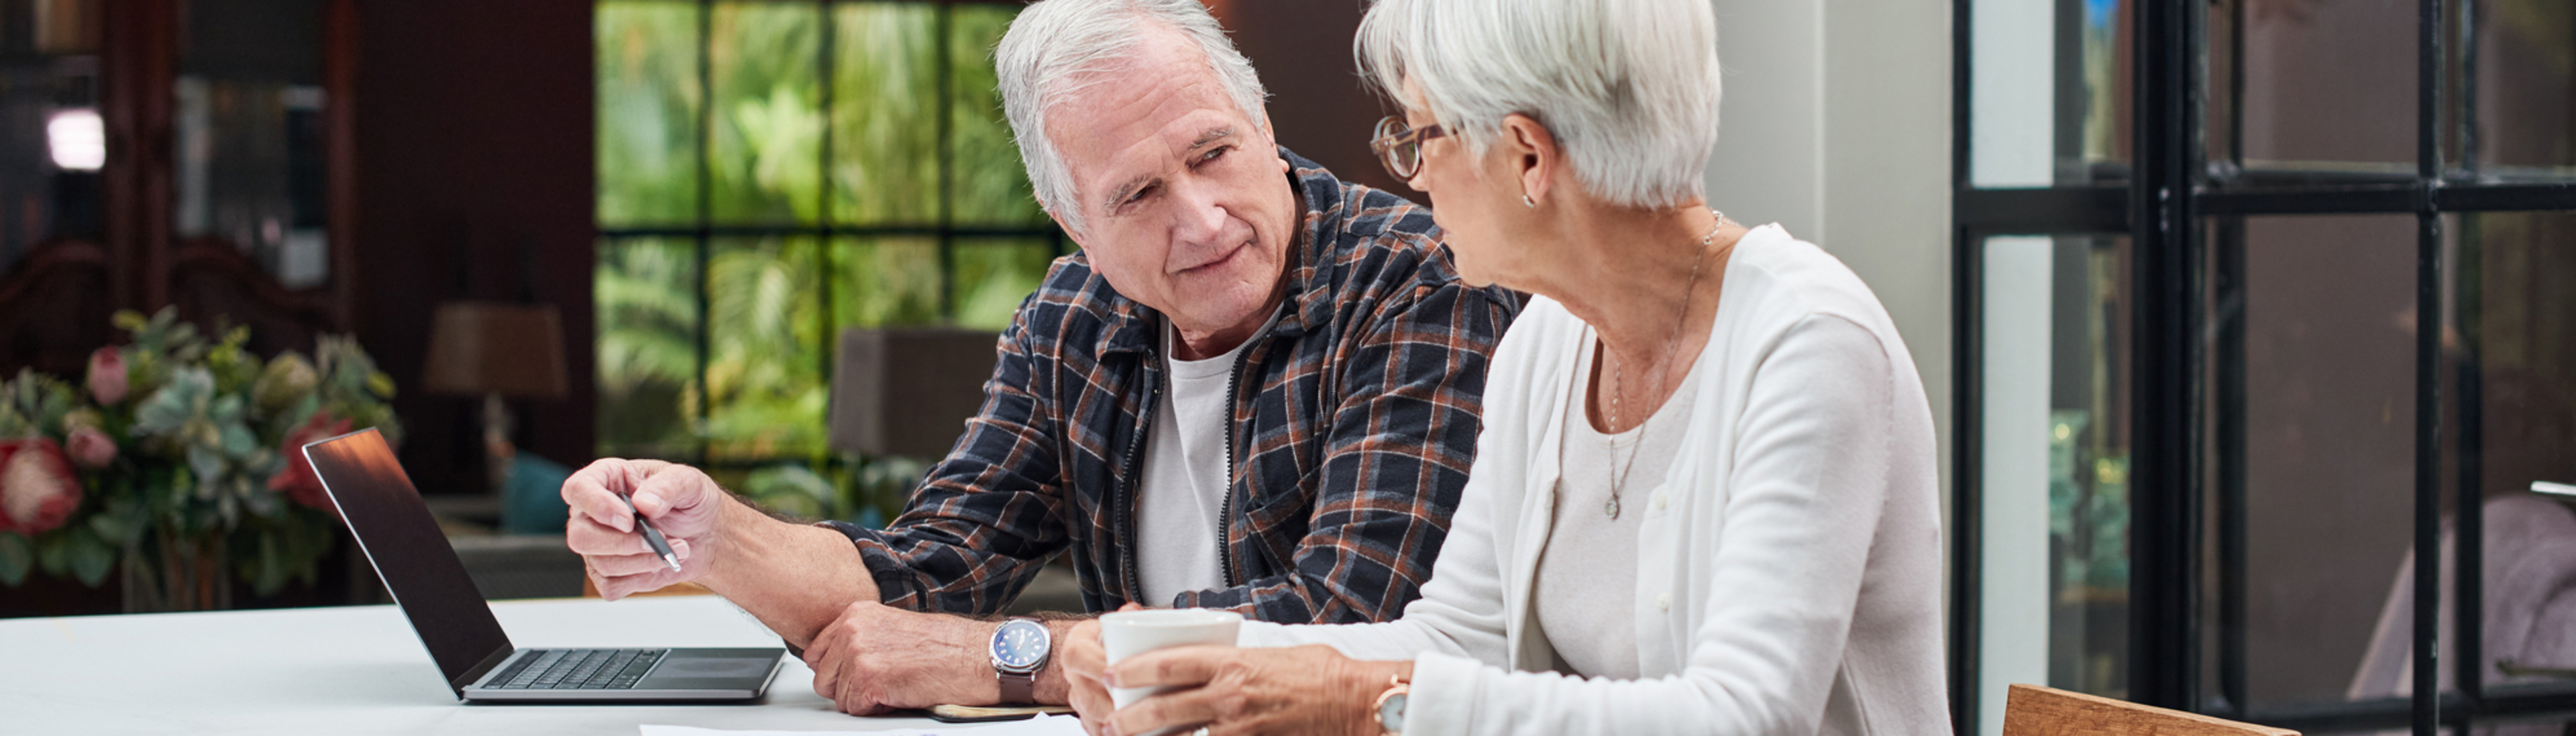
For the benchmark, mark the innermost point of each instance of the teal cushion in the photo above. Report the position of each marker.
(532, 501)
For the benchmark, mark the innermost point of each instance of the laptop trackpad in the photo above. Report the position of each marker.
(712, 664)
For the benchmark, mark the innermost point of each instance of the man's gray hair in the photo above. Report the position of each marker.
(1058, 47)
(1629, 88)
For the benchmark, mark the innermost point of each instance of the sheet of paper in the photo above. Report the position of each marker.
(1039, 726)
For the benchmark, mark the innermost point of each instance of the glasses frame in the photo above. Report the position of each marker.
(1394, 135)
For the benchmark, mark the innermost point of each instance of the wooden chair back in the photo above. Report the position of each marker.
(2031, 710)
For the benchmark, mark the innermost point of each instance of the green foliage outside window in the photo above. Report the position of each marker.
(822, 126)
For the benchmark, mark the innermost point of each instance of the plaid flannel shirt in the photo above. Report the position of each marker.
(1355, 420)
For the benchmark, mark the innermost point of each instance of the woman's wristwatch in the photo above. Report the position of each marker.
(1390, 705)
(1020, 649)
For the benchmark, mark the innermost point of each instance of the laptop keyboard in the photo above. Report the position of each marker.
(577, 669)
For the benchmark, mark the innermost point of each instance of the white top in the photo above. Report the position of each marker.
(1185, 476)
(1788, 570)
(1588, 572)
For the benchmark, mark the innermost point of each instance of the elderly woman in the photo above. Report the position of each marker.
(1704, 499)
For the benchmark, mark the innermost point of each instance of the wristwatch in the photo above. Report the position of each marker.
(1390, 705)
(1020, 648)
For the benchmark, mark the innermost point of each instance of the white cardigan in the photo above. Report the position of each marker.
(1789, 568)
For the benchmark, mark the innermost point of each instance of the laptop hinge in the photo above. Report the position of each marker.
(476, 672)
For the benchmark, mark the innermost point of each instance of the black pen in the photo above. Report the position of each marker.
(652, 536)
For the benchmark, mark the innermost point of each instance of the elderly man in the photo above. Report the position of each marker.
(1257, 387)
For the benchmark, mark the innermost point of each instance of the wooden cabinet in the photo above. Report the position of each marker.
(228, 184)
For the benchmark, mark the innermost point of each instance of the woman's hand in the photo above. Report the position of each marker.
(1084, 660)
(1304, 690)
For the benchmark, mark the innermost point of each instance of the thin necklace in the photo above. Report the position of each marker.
(1619, 372)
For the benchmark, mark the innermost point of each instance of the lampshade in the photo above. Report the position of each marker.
(490, 347)
(908, 392)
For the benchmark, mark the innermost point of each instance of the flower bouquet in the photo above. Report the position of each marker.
(179, 457)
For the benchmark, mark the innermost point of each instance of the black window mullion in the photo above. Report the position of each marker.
(2468, 123)
(2469, 553)
(2069, 210)
(1966, 552)
(2227, 313)
(830, 335)
(2164, 500)
(946, 25)
(706, 212)
(2428, 378)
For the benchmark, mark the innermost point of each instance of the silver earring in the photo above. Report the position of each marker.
(1525, 200)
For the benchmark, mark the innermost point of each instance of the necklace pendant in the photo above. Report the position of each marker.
(1611, 507)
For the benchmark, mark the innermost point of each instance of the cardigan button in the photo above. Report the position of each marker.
(1664, 602)
(1659, 500)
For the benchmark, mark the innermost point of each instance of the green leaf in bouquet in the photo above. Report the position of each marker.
(226, 408)
(109, 527)
(12, 423)
(262, 502)
(128, 320)
(54, 553)
(169, 408)
(183, 344)
(17, 556)
(286, 381)
(260, 462)
(132, 517)
(208, 465)
(268, 572)
(55, 400)
(91, 557)
(239, 443)
(284, 422)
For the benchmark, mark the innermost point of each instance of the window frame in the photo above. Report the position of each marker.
(702, 230)
(2166, 203)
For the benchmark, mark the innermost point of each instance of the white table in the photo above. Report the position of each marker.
(361, 670)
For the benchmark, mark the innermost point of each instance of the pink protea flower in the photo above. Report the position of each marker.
(37, 489)
(90, 448)
(107, 376)
(297, 479)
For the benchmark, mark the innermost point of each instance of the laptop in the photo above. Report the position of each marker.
(395, 531)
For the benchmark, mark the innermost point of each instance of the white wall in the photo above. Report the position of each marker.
(1837, 126)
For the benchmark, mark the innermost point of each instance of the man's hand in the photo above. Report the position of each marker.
(682, 502)
(875, 658)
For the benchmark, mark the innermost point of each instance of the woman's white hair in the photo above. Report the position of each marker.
(1058, 47)
(1629, 88)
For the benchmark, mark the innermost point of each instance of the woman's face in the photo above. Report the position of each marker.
(1476, 200)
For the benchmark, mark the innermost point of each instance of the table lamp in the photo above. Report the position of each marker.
(496, 350)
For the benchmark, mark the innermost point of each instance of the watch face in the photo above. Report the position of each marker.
(1020, 645)
(1390, 713)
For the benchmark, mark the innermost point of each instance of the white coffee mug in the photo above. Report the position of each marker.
(1130, 633)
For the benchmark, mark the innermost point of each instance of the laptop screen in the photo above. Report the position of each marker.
(395, 530)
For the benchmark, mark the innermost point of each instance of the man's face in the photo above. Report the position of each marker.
(1185, 201)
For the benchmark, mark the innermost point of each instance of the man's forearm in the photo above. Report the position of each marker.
(795, 578)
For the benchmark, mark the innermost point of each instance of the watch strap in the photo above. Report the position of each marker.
(1019, 687)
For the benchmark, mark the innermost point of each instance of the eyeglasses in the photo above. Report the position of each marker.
(1400, 147)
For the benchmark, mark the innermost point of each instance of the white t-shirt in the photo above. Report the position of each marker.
(1184, 486)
